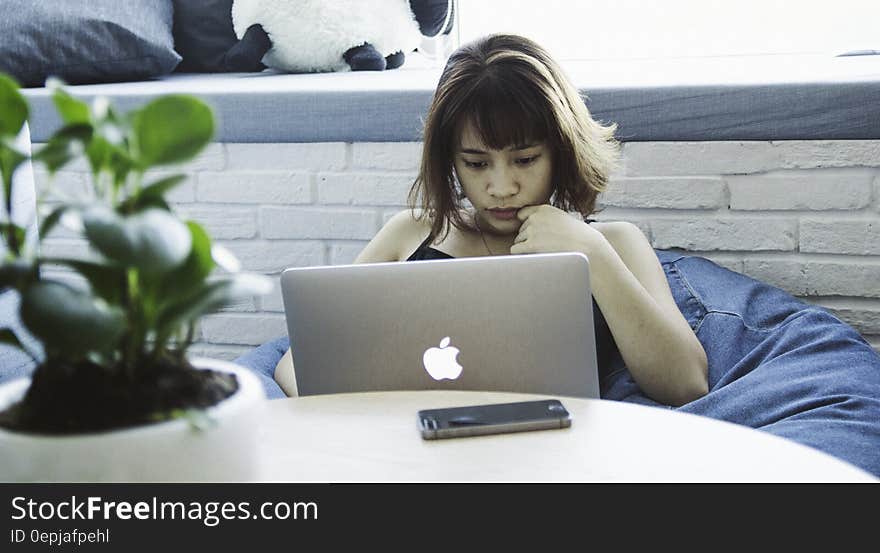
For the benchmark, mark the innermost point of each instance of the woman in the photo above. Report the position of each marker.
(510, 150)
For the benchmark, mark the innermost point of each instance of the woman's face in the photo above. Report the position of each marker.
(500, 182)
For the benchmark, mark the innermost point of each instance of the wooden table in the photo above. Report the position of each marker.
(373, 437)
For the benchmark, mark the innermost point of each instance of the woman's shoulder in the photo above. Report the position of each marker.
(408, 222)
(398, 238)
(619, 233)
(409, 219)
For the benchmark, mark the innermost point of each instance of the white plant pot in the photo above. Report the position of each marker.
(170, 451)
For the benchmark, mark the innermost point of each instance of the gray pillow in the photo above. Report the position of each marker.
(203, 34)
(86, 41)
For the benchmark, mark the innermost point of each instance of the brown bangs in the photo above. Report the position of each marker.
(505, 110)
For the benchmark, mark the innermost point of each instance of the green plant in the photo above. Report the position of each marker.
(153, 274)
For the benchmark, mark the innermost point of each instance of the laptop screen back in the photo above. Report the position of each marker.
(512, 323)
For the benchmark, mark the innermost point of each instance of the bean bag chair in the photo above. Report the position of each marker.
(775, 363)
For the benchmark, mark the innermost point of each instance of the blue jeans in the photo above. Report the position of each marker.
(775, 363)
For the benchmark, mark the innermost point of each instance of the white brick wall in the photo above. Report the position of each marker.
(802, 215)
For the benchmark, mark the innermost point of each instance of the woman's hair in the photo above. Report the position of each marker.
(513, 93)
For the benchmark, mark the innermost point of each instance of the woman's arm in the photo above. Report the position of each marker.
(660, 350)
(389, 244)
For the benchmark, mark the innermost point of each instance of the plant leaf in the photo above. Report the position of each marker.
(104, 155)
(109, 234)
(152, 195)
(225, 259)
(13, 114)
(70, 322)
(98, 153)
(172, 129)
(16, 273)
(10, 160)
(13, 230)
(154, 241)
(213, 297)
(52, 220)
(155, 202)
(69, 108)
(106, 281)
(184, 280)
(64, 146)
(163, 186)
(13, 108)
(9, 337)
(164, 241)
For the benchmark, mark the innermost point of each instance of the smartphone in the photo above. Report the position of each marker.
(478, 420)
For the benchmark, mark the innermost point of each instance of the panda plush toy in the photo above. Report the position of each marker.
(303, 36)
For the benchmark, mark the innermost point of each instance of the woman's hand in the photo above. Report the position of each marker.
(547, 229)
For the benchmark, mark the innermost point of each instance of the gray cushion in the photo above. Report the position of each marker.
(777, 98)
(86, 41)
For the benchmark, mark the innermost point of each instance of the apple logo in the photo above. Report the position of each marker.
(440, 362)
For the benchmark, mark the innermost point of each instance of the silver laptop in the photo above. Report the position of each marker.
(511, 324)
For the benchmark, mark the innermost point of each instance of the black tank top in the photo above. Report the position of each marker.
(607, 354)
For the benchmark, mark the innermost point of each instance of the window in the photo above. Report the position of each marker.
(638, 29)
